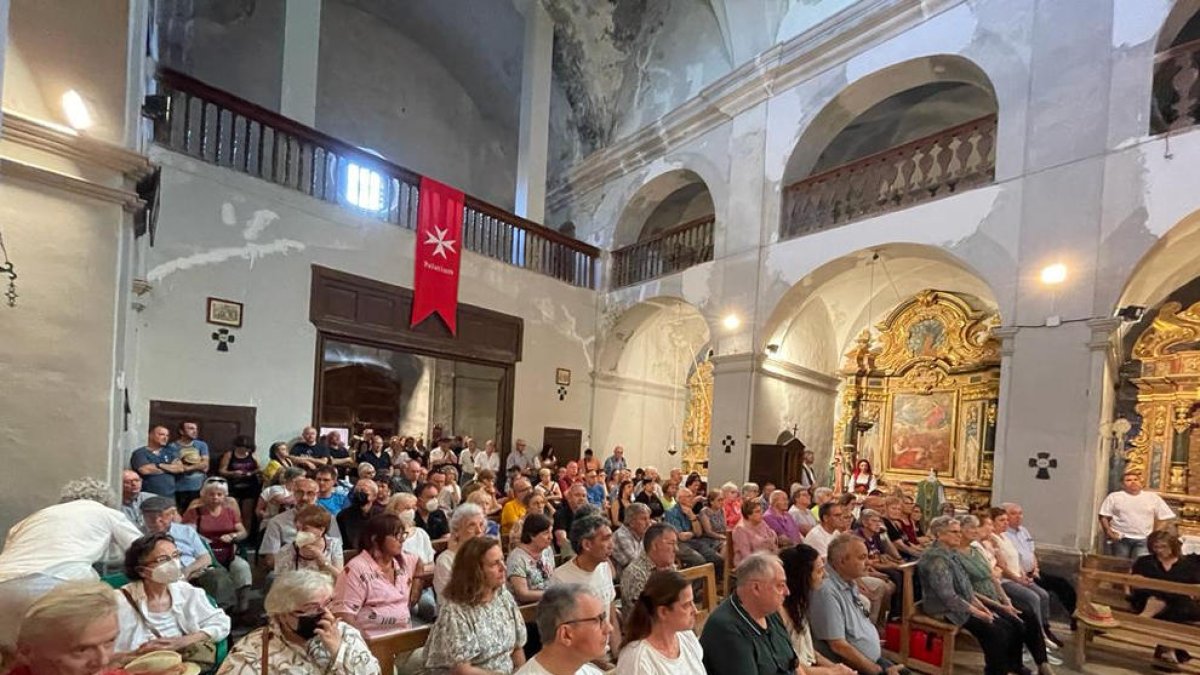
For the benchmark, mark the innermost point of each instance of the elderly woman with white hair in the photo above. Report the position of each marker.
(302, 636)
(467, 522)
(221, 524)
(37, 557)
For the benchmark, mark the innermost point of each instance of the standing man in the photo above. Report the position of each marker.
(744, 634)
(615, 463)
(519, 460)
(466, 461)
(132, 497)
(157, 464)
(339, 454)
(838, 615)
(193, 454)
(808, 476)
(1129, 515)
(489, 459)
(307, 452)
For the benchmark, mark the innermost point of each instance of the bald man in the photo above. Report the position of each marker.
(132, 497)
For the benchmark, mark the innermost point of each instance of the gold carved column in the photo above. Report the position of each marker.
(697, 424)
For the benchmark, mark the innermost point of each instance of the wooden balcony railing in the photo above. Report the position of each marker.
(1176, 94)
(678, 248)
(953, 160)
(219, 128)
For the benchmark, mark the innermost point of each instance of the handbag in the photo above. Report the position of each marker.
(203, 653)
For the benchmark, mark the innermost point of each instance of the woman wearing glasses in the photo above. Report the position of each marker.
(158, 609)
(379, 586)
(479, 626)
(659, 633)
(302, 636)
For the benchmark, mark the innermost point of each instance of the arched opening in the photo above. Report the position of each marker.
(887, 355)
(1176, 101)
(913, 132)
(1156, 428)
(650, 383)
(666, 227)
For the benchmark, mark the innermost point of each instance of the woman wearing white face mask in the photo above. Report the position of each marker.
(157, 609)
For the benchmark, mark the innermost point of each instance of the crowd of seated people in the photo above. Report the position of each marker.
(348, 543)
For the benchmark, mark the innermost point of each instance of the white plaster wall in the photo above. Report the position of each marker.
(57, 350)
(226, 235)
(382, 91)
(783, 405)
(641, 421)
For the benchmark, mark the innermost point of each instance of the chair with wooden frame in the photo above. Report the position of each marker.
(706, 602)
(727, 574)
(912, 617)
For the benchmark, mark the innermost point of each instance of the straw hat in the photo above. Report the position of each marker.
(1099, 616)
(160, 662)
(191, 456)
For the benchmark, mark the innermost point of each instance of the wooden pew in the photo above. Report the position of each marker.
(706, 574)
(913, 618)
(1107, 581)
(389, 644)
(727, 573)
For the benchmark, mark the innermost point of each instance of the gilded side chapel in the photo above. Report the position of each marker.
(955, 240)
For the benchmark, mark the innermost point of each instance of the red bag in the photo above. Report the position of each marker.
(926, 647)
(891, 637)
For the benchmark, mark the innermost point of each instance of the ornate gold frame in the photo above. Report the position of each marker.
(934, 342)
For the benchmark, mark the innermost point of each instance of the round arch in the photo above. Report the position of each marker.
(942, 72)
(1180, 25)
(670, 198)
(1169, 264)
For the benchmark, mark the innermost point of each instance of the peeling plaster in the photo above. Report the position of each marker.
(1137, 21)
(252, 251)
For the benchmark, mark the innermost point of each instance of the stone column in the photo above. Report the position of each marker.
(301, 51)
(3, 47)
(729, 447)
(532, 144)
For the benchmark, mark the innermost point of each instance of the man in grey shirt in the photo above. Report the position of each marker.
(839, 616)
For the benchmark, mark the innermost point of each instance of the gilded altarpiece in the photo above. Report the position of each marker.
(923, 396)
(1167, 448)
(697, 425)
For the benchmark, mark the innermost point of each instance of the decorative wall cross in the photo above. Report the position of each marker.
(1043, 463)
(728, 443)
(562, 393)
(223, 339)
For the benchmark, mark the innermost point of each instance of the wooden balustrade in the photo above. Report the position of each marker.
(219, 128)
(675, 249)
(1176, 94)
(953, 160)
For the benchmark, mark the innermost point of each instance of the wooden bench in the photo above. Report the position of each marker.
(389, 644)
(706, 602)
(913, 618)
(727, 574)
(1107, 581)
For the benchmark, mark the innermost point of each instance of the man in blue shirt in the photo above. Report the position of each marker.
(193, 454)
(156, 463)
(596, 495)
(161, 517)
(328, 496)
(617, 461)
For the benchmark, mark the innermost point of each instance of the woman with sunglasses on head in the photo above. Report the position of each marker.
(158, 609)
(479, 627)
(302, 636)
(659, 635)
(219, 521)
(379, 586)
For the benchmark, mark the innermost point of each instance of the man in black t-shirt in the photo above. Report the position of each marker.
(429, 516)
(307, 453)
(564, 517)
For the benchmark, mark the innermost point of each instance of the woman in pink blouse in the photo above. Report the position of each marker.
(379, 586)
(752, 534)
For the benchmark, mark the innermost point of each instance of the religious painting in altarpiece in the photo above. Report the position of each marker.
(1166, 449)
(920, 394)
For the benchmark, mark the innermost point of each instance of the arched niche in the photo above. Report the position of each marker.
(1174, 104)
(1172, 262)
(666, 201)
(895, 289)
(913, 131)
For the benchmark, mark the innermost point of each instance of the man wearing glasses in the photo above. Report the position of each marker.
(840, 617)
(572, 621)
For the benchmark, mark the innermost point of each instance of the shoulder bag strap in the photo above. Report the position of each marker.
(141, 616)
(266, 670)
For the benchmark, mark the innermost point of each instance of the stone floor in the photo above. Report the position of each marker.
(1122, 659)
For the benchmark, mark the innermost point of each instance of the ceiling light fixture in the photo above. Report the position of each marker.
(1055, 274)
(731, 322)
(76, 110)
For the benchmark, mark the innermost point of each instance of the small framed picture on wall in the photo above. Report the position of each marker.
(562, 377)
(225, 312)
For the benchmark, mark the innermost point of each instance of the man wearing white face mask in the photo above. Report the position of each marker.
(430, 516)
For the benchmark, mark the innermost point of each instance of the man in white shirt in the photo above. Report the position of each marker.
(56, 544)
(488, 459)
(833, 520)
(591, 538)
(1130, 514)
(570, 619)
(466, 460)
(281, 530)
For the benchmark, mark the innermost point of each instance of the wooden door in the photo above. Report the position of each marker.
(568, 443)
(358, 397)
(219, 424)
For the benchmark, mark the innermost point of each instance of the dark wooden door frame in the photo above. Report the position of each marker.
(484, 336)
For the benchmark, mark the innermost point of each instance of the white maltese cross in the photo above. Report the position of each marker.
(438, 239)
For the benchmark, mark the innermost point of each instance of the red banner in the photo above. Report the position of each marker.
(438, 249)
